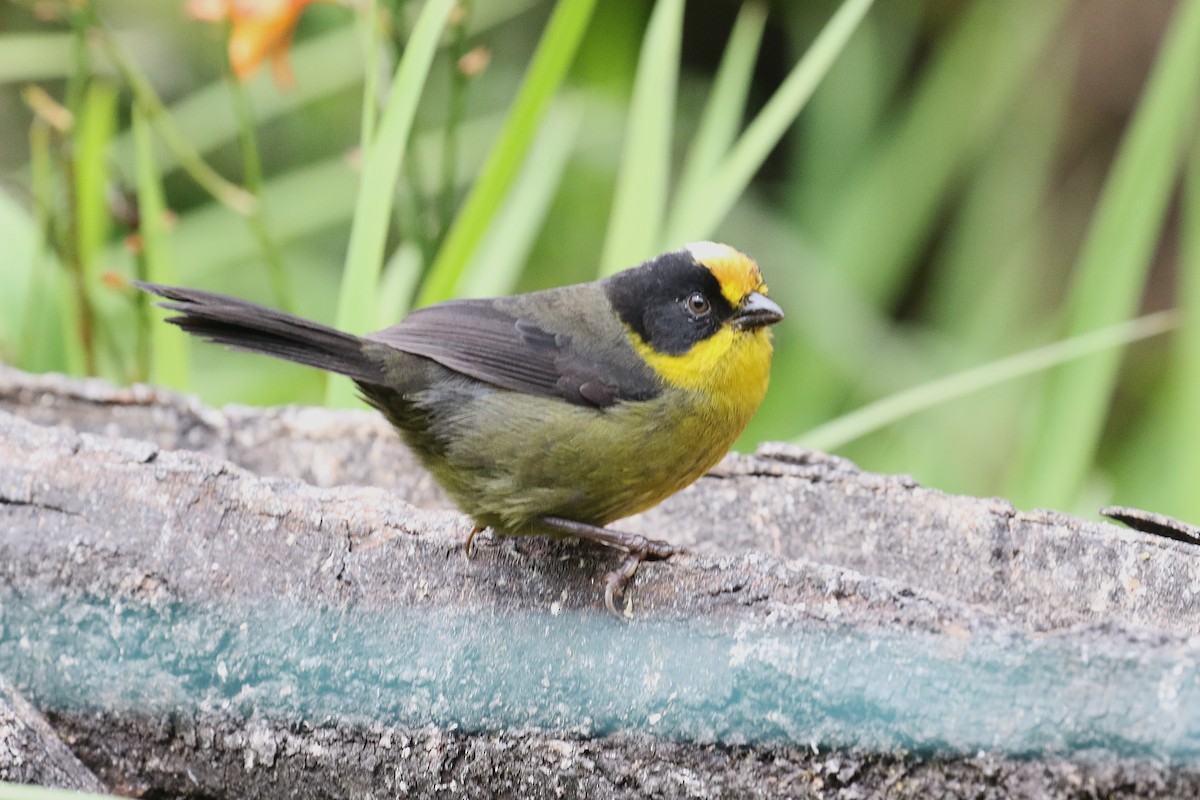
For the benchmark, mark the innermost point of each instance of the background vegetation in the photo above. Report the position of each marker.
(969, 184)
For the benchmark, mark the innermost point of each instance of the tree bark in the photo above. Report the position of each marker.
(262, 603)
(31, 752)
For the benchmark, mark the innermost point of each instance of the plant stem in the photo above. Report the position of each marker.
(256, 219)
(454, 113)
(231, 195)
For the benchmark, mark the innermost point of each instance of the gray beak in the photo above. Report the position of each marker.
(756, 311)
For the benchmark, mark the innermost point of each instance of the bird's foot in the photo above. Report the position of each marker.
(638, 549)
(616, 581)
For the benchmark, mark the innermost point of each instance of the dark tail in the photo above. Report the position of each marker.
(258, 329)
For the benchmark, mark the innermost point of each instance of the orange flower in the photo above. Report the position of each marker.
(260, 29)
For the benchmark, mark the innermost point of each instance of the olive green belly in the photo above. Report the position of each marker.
(508, 459)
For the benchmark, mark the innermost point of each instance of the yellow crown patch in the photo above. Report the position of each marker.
(737, 273)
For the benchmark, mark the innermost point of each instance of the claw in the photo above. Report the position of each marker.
(617, 580)
(608, 600)
(468, 547)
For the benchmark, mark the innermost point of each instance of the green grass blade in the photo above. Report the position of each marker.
(997, 222)
(877, 226)
(398, 284)
(1184, 418)
(553, 57)
(987, 296)
(168, 346)
(372, 49)
(855, 101)
(52, 278)
(722, 116)
(640, 199)
(703, 210)
(172, 135)
(1155, 463)
(23, 293)
(891, 409)
(498, 262)
(1113, 265)
(256, 219)
(873, 232)
(35, 56)
(380, 174)
(210, 239)
(93, 137)
(324, 65)
(30, 329)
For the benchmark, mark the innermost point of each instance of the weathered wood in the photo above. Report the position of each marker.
(30, 750)
(283, 632)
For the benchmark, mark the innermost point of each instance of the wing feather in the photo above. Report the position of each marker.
(501, 345)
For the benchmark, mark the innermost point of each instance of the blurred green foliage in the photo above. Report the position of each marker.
(937, 192)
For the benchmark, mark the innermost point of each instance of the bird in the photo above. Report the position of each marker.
(554, 412)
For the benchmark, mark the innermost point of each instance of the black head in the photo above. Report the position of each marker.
(678, 299)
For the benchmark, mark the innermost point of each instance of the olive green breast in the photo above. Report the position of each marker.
(507, 458)
(528, 457)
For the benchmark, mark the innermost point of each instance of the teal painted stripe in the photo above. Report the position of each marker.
(802, 682)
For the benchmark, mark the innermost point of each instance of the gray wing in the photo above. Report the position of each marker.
(495, 342)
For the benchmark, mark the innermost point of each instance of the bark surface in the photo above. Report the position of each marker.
(30, 750)
(250, 603)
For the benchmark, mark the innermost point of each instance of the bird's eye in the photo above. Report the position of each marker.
(697, 305)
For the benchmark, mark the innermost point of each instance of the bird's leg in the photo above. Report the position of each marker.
(638, 547)
(468, 549)
(648, 549)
